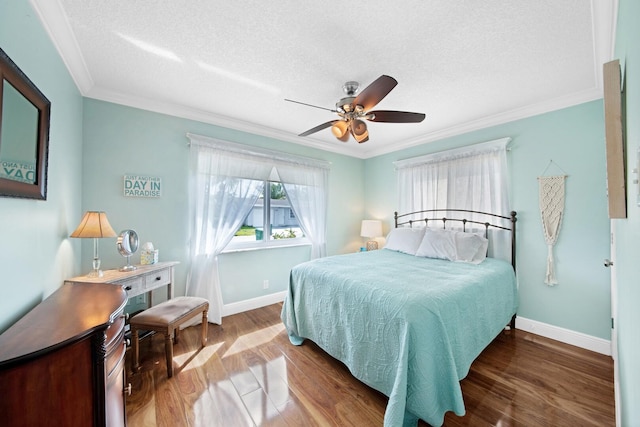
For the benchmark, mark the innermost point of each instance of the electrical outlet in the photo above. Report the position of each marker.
(141, 299)
(265, 284)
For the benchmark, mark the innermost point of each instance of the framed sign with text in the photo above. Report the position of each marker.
(142, 186)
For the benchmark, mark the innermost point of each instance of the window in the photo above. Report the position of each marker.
(473, 178)
(226, 190)
(226, 180)
(271, 221)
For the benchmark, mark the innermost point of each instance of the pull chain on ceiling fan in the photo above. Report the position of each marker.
(354, 109)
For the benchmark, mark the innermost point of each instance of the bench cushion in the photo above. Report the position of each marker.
(169, 311)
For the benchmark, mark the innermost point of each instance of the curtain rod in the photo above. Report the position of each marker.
(235, 147)
(501, 143)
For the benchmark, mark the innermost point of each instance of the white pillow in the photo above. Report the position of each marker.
(406, 240)
(437, 244)
(453, 246)
(482, 251)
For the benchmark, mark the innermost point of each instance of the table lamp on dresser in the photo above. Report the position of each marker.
(94, 224)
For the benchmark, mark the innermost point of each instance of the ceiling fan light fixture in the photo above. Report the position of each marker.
(359, 127)
(362, 137)
(345, 105)
(359, 131)
(339, 128)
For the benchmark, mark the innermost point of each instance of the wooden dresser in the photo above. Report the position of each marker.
(62, 364)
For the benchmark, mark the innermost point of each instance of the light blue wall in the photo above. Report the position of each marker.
(628, 230)
(36, 253)
(574, 139)
(120, 140)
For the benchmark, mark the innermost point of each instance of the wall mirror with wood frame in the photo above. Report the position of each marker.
(24, 134)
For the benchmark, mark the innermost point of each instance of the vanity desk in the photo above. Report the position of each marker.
(144, 279)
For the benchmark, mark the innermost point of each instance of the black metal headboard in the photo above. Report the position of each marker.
(430, 215)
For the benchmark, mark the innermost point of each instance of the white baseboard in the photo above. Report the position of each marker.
(566, 336)
(251, 304)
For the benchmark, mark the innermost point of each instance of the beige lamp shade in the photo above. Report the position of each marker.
(94, 224)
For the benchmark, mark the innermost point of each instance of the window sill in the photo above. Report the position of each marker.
(267, 246)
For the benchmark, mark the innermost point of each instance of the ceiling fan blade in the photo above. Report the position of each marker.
(396, 116)
(319, 127)
(310, 105)
(374, 93)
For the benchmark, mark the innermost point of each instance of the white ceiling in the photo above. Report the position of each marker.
(465, 64)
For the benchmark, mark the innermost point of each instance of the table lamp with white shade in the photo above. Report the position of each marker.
(371, 229)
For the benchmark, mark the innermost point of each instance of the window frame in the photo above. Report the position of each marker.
(269, 242)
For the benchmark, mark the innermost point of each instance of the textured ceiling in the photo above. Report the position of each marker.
(465, 64)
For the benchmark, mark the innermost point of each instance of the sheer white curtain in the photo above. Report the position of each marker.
(472, 178)
(220, 202)
(306, 187)
(226, 180)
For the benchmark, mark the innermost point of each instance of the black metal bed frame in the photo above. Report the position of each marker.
(431, 215)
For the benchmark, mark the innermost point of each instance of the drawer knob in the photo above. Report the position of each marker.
(127, 390)
(159, 278)
(127, 288)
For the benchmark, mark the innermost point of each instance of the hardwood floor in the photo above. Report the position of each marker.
(250, 375)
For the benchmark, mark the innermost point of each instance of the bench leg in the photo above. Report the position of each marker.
(176, 334)
(205, 324)
(168, 349)
(136, 351)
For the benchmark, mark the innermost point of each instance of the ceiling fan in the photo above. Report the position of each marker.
(353, 108)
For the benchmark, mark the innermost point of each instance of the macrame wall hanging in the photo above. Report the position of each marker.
(551, 195)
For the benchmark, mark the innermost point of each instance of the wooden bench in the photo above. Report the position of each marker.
(166, 318)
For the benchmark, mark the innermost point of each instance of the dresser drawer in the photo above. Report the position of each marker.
(114, 343)
(115, 356)
(133, 286)
(157, 278)
(115, 331)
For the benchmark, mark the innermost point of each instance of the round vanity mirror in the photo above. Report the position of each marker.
(127, 245)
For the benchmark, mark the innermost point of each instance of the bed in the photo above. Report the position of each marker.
(406, 324)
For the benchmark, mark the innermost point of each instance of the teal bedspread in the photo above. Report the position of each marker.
(409, 327)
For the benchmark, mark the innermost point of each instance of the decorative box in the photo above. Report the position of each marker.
(148, 257)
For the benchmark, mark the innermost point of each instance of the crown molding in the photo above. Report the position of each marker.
(215, 119)
(495, 120)
(56, 24)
